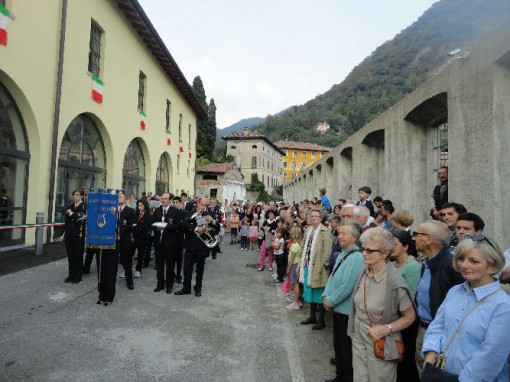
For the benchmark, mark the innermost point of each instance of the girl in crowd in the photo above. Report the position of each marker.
(279, 255)
(382, 307)
(253, 234)
(142, 231)
(234, 226)
(296, 235)
(244, 231)
(471, 325)
(410, 269)
(266, 249)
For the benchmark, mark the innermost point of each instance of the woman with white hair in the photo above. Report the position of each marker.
(382, 307)
(470, 329)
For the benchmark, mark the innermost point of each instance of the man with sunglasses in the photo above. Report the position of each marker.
(437, 276)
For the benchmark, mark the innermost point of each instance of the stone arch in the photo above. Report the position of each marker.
(372, 166)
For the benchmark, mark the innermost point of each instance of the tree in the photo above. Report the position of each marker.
(210, 131)
(202, 141)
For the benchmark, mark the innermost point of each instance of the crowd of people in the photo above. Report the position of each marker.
(407, 305)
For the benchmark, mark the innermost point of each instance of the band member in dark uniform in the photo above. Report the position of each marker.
(142, 233)
(196, 250)
(125, 238)
(176, 202)
(167, 242)
(74, 236)
(214, 210)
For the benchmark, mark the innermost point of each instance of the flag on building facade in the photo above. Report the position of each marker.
(143, 119)
(5, 14)
(181, 150)
(97, 89)
(168, 140)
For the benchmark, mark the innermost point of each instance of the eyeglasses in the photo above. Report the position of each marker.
(369, 251)
(416, 233)
(479, 239)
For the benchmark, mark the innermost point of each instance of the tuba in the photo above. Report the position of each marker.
(209, 237)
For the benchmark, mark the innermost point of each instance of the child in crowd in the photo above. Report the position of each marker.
(261, 233)
(253, 233)
(296, 236)
(269, 227)
(279, 255)
(234, 225)
(244, 231)
(364, 199)
(222, 229)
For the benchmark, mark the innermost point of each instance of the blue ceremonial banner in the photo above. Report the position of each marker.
(102, 218)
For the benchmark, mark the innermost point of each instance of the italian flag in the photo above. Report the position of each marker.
(181, 150)
(5, 14)
(97, 89)
(168, 140)
(189, 155)
(143, 119)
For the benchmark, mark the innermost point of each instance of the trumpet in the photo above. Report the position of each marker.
(209, 236)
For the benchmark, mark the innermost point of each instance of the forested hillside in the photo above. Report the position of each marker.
(394, 69)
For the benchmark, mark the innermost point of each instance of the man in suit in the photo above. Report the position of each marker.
(125, 238)
(196, 250)
(214, 210)
(74, 236)
(167, 242)
(176, 202)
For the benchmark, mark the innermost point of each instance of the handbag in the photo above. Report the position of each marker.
(286, 286)
(440, 360)
(434, 374)
(381, 342)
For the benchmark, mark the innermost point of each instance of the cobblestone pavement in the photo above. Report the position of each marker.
(238, 330)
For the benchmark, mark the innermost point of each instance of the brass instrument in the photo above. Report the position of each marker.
(161, 227)
(209, 237)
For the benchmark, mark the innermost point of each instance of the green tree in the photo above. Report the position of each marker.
(202, 141)
(210, 131)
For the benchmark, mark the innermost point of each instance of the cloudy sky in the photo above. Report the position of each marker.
(260, 57)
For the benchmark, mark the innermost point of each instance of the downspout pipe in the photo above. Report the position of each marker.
(56, 117)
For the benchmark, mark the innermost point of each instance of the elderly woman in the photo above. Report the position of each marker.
(314, 273)
(382, 307)
(338, 295)
(402, 219)
(471, 325)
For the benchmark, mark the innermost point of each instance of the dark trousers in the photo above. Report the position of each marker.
(74, 248)
(190, 259)
(89, 256)
(144, 256)
(343, 348)
(244, 242)
(165, 257)
(281, 265)
(406, 370)
(178, 262)
(126, 252)
(107, 262)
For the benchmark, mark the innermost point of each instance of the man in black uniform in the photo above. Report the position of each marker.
(196, 250)
(125, 238)
(440, 193)
(167, 242)
(176, 202)
(214, 210)
(74, 236)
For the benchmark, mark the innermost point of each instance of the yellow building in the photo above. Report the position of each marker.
(298, 157)
(137, 131)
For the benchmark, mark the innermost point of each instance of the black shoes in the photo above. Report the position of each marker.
(332, 361)
(178, 279)
(181, 292)
(158, 289)
(169, 290)
(130, 286)
(68, 279)
(198, 293)
(319, 325)
(76, 281)
(214, 256)
(99, 302)
(309, 321)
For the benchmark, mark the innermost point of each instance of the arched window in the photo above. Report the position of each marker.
(133, 171)
(81, 163)
(14, 157)
(162, 176)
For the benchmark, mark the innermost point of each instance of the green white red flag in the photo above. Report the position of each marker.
(168, 140)
(5, 14)
(143, 119)
(97, 89)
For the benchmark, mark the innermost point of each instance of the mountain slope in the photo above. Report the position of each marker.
(393, 70)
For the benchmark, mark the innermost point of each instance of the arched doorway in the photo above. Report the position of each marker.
(81, 162)
(162, 176)
(14, 157)
(133, 171)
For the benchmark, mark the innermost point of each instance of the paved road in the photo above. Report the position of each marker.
(238, 330)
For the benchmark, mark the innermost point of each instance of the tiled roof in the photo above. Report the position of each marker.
(301, 146)
(215, 168)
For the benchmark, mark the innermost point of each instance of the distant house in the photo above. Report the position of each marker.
(322, 127)
(256, 154)
(298, 157)
(221, 181)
